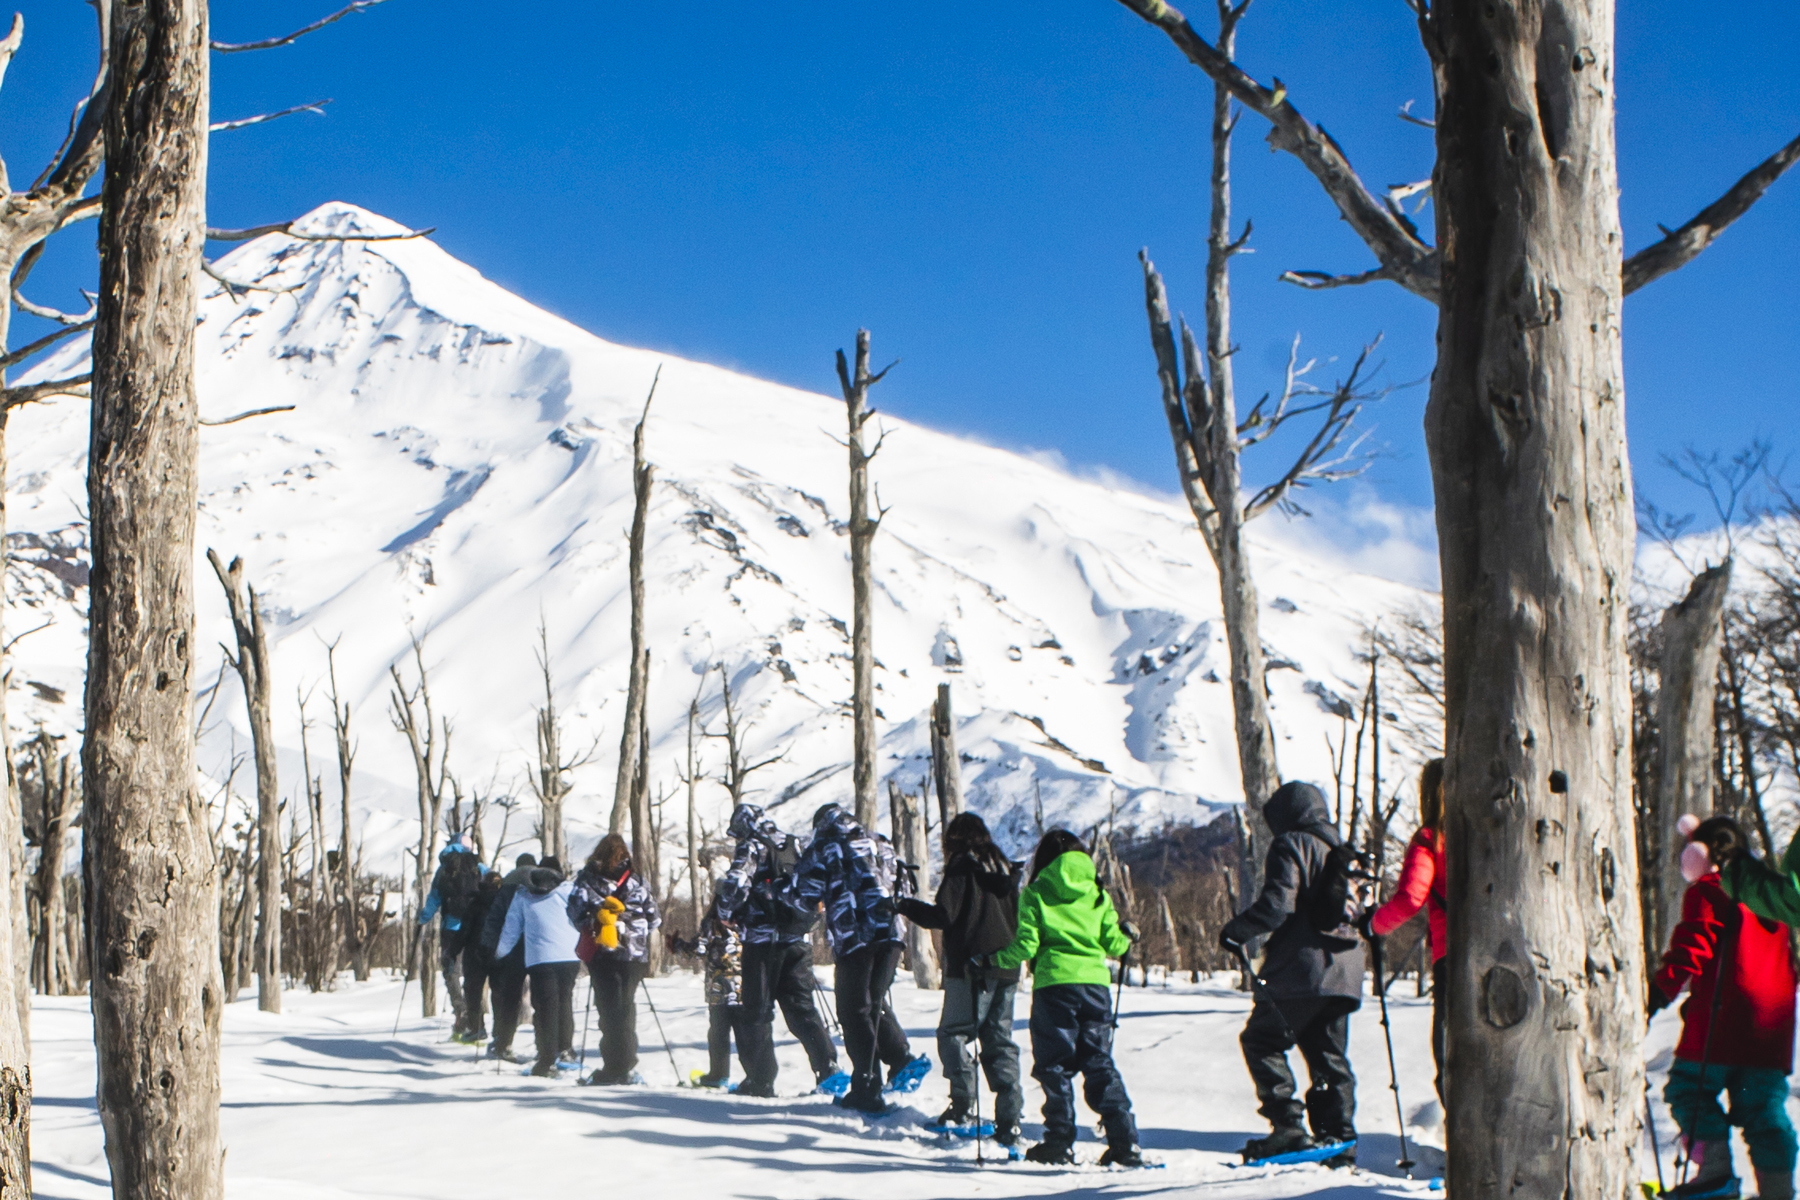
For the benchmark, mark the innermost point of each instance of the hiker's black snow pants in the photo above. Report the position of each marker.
(450, 949)
(615, 1004)
(1320, 1026)
(1440, 1002)
(723, 1022)
(477, 966)
(506, 979)
(1071, 1033)
(861, 980)
(553, 1009)
(781, 973)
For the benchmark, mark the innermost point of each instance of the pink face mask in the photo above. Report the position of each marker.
(1695, 862)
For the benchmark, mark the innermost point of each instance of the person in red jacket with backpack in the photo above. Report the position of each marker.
(1737, 1028)
(1421, 886)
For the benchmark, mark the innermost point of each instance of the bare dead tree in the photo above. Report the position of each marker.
(148, 857)
(346, 872)
(1209, 440)
(646, 824)
(641, 475)
(428, 737)
(251, 662)
(61, 798)
(906, 817)
(862, 588)
(738, 764)
(551, 782)
(689, 775)
(946, 764)
(1527, 386)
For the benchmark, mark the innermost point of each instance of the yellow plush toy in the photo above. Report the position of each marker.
(608, 919)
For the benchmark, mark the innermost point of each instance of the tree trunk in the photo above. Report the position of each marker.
(15, 1010)
(641, 474)
(252, 664)
(646, 852)
(862, 588)
(946, 764)
(693, 820)
(150, 881)
(1526, 430)
(59, 795)
(1687, 682)
(906, 813)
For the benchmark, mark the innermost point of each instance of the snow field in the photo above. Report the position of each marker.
(322, 1102)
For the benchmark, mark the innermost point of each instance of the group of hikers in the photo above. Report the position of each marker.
(1730, 951)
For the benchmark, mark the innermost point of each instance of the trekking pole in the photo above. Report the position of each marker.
(404, 980)
(587, 1012)
(1119, 996)
(977, 1065)
(1256, 987)
(645, 984)
(825, 1004)
(1406, 1163)
(1650, 1124)
(418, 945)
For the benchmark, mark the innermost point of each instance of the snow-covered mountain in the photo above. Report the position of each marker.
(457, 463)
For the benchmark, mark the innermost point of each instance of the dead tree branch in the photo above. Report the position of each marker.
(255, 412)
(317, 106)
(1680, 247)
(289, 39)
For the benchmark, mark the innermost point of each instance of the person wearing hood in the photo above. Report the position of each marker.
(478, 960)
(977, 907)
(1067, 930)
(851, 874)
(1737, 1027)
(506, 974)
(1421, 887)
(1312, 982)
(777, 953)
(538, 917)
(452, 898)
(618, 912)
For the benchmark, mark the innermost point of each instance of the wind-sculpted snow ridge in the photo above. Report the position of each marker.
(457, 463)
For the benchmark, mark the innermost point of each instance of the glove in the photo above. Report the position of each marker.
(1655, 1000)
(982, 963)
(1366, 927)
(1131, 931)
(1228, 943)
(606, 922)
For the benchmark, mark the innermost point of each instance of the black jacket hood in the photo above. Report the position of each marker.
(543, 881)
(1296, 806)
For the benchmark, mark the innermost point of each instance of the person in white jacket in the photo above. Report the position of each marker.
(538, 914)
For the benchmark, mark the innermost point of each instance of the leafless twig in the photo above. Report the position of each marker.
(255, 412)
(289, 39)
(317, 106)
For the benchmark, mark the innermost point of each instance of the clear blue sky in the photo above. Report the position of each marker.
(746, 184)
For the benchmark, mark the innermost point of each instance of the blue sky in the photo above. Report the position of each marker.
(746, 184)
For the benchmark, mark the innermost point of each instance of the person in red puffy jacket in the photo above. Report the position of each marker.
(1736, 1036)
(1421, 886)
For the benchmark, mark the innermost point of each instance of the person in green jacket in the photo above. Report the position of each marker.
(1067, 931)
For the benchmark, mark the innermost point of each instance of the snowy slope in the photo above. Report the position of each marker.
(321, 1102)
(457, 463)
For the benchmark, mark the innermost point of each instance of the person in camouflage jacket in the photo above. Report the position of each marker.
(852, 874)
(778, 967)
(720, 951)
(615, 907)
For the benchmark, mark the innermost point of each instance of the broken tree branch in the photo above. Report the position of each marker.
(317, 106)
(287, 227)
(30, 393)
(289, 39)
(1682, 246)
(245, 416)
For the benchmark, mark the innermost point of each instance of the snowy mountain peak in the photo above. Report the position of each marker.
(456, 463)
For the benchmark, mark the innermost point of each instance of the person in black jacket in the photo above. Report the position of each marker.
(977, 907)
(506, 975)
(478, 959)
(1312, 982)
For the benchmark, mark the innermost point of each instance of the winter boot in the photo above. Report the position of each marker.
(1123, 1155)
(1715, 1179)
(1052, 1154)
(1345, 1158)
(1007, 1135)
(1284, 1140)
(1774, 1185)
(709, 1081)
(956, 1114)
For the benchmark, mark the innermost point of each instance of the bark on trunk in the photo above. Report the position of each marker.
(692, 779)
(946, 763)
(646, 852)
(1526, 432)
(59, 811)
(15, 1013)
(252, 665)
(346, 759)
(150, 871)
(1686, 731)
(906, 814)
(641, 475)
(862, 538)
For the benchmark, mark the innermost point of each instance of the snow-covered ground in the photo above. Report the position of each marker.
(323, 1102)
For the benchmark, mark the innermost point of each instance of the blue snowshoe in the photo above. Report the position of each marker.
(835, 1084)
(910, 1076)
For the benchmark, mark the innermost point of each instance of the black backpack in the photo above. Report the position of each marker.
(771, 888)
(1335, 906)
(462, 879)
